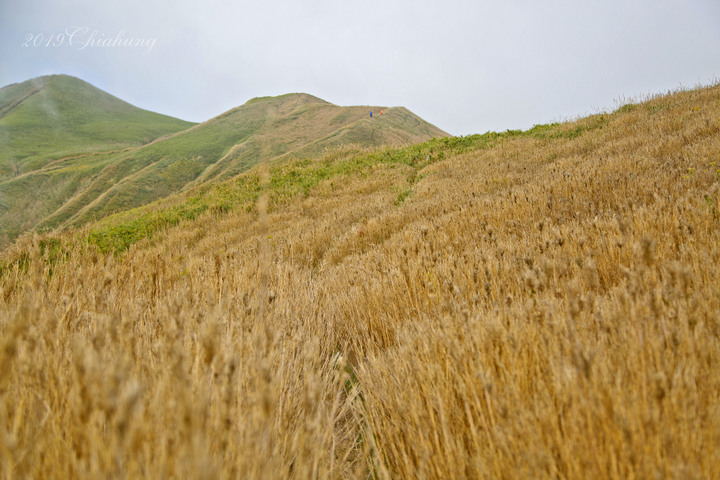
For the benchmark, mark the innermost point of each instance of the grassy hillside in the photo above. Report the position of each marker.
(56, 133)
(57, 116)
(265, 129)
(110, 176)
(537, 304)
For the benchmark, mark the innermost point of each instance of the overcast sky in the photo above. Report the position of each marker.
(465, 66)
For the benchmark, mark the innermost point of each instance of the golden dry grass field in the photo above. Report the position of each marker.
(545, 307)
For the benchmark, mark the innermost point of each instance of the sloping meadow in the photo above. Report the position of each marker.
(539, 304)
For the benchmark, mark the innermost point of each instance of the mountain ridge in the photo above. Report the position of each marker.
(98, 159)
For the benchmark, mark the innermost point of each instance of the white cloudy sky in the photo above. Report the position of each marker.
(466, 66)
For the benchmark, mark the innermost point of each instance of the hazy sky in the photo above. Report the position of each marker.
(466, 66)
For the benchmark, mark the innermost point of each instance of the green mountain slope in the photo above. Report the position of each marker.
(265, 129)
(57, 116)
(56, 132)
(79, 188)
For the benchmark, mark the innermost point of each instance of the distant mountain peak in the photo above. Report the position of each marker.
(299, 98)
